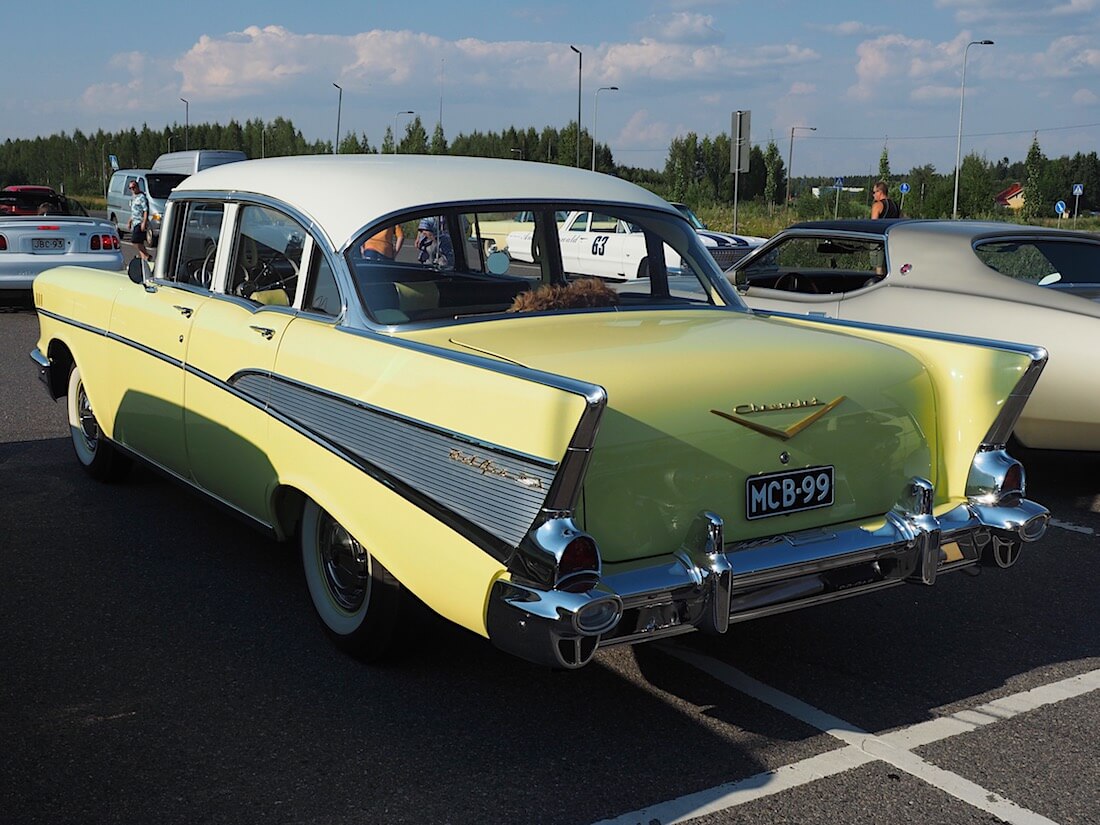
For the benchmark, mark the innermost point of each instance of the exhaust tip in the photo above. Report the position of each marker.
(1034, 528)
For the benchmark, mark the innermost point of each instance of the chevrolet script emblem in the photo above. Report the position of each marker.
(737, 416)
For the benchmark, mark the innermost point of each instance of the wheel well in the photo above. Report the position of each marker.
(61, 363)
(288, 503)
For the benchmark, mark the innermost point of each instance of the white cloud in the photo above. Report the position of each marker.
(1085, 97)
(680, 27)
(801, 89)
(848, 28)
(1009, 12)
(891, 62)
(641, 131)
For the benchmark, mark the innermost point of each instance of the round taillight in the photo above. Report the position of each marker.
(3, 244)
(579, 556)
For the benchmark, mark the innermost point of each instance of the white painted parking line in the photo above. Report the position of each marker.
(862, 748)
(1073, 528)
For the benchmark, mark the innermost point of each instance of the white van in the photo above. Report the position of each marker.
(195, 160)
(156, 186)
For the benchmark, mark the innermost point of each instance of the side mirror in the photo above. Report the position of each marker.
(136, 270)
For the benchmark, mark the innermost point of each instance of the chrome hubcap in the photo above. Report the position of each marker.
(89, 427)
(345, 565)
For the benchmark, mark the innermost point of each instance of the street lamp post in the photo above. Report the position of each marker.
(959, 145)
(595, 118)
(580, 64)
(790, 156)
(395, 141)
(339, 107)
(517, 152)
(186, 123)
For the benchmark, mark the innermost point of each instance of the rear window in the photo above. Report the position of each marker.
(1070, 261)
(457, 263)
(161, 184)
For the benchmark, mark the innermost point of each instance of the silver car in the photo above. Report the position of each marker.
(32, 244)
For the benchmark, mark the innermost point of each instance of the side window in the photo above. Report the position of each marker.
(1020, 260)
(818, 266)
(321, 293)
(195, 229)
(267, 254)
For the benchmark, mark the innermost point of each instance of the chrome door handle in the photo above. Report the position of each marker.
(266, 332)
(184, 311)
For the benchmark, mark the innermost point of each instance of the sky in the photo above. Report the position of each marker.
(864, 74)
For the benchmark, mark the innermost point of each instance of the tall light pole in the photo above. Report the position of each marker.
(595, 118)
(395, 142)
(186, 123)
(959, 145)
(790, 155)
(580, 64)
(339, 106)
(517, 152)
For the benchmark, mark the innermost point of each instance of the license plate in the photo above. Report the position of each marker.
(47, 244)
(788, 492)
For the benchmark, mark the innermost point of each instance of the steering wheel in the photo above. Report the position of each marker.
(205, 274)
(789, 282)
(268, 277)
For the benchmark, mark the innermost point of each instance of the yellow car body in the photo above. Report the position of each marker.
(555, 478)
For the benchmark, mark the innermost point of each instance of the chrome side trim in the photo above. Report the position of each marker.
(566, 489)
(498, 491)
(1036, 353)
(1013, 407)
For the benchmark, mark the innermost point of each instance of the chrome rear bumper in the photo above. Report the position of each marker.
(707, 583)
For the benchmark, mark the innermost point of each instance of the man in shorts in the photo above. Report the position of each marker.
(139, 219)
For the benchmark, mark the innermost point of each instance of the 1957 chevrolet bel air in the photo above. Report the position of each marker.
(551, 461)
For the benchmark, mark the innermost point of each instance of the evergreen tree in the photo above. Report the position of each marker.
(773, 180)
(1032, 188)
(884, 165)
(439, 142)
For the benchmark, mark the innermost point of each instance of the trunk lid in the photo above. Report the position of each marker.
(699, 402)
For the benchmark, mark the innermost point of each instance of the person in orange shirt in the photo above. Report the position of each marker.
(384, 245)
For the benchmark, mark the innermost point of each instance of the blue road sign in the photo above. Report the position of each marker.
(904, 188)
(1078, 190)
(839, 183)
(1060, 207)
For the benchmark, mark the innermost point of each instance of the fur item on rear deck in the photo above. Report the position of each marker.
(586, 292)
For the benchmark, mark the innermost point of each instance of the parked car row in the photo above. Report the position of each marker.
(555, 462)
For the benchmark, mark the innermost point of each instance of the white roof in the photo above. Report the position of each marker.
(343, 193)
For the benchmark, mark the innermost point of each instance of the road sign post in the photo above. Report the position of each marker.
(1060, 209)
(1078, 191)
(739, 153)
(904, 191)
(838, 184)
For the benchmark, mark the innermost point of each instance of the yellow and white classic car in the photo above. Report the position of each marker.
(552, 462)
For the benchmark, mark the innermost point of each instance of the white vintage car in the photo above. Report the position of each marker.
(607, 247)
(995, 280)
(555, 463)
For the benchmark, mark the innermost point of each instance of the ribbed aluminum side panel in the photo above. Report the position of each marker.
(501, 493)
(727, 256)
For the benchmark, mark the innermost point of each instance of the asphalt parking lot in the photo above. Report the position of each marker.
(162, 664)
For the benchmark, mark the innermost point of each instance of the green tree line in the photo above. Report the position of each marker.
(697, 169)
